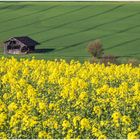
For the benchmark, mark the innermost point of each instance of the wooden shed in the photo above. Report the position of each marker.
(19, 45)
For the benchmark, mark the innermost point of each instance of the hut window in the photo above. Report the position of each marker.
(14, 42)
(16, 47)
(9, 47)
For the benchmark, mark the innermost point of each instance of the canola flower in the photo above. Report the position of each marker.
(55, 99)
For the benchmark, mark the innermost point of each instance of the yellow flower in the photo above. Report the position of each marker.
(42, 105)
(83, 95)
(132, 135)
(15, 119)
(97, 110)
(33, 122)
(96, 132)
(116, 116)
(126, 120)
(19, 95)
(55, 125)
(14, 130)
(94, 129)
(51, 123)
(69, 134)
(66, 124)
(72, 95)
(3, 135)
(102, 137)
(3, 118)
(2, 106)
(42, 135)
(85, 124)
(76, 119)
(104, 123)
(29, 122)
(6, 96)
(25, 71)
(31, 93)
(94, 80)
(12, 106)
(51, 106)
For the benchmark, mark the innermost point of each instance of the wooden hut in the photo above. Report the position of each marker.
(19, 45)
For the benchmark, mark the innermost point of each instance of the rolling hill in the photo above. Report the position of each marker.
(64, 29)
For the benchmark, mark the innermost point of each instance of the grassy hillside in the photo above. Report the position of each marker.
(65, 28)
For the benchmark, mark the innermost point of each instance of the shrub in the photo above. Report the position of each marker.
(95, 48)
(133, 61)
(109, 59)
(94, 60)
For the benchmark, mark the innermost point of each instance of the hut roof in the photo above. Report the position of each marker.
(25, 40)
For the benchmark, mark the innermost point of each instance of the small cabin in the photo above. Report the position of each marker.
(20, 45)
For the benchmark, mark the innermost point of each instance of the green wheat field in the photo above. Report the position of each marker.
(64, 29)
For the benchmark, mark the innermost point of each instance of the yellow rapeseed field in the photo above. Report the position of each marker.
(56, 99)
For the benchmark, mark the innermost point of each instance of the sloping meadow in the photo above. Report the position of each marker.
(64, 29)
(56, 99)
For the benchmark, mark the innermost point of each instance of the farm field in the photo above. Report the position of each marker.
(65, 28)
(56, 100)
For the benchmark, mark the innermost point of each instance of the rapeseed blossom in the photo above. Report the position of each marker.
(55, 99)
(85, 124)
(133, 135)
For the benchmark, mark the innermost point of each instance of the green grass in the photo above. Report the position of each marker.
(65, 28)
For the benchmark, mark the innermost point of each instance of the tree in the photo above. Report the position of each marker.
(95, 48)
